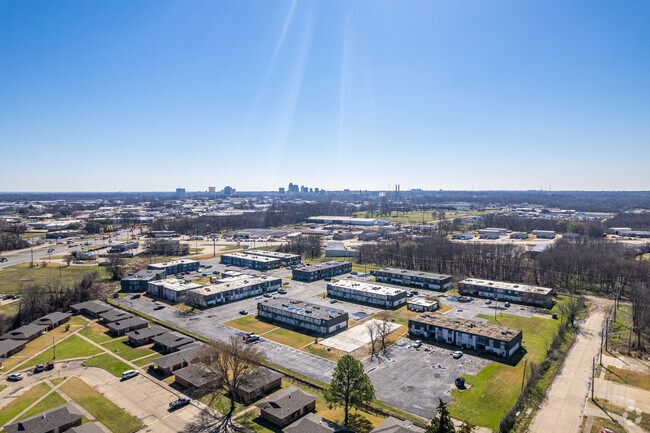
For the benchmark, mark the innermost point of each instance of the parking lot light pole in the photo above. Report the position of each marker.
(53, 348)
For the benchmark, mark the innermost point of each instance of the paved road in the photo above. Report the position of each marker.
(564, 406)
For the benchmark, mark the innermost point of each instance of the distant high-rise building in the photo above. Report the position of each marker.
(316, 190)
(304, 189)
(293, 188)
(281, 190)
(180, 192)
(228, 191)
(212, 190)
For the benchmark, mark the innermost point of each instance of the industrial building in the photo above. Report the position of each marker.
(343, 220)
(519, 293)
(124, 246)
(251, 261)
(425, 280)
(338, 249)
(175, 266)
(222, 293)
(544, 234)
(139, 281)
(287, 259)
(520, 236)
(462, 236)
(172, 289)
(472, 334)
(321, 270)
(368, 293)
(315, 318)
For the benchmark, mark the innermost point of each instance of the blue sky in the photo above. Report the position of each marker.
(154, 95)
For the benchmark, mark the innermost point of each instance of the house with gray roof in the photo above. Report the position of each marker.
(52, 320)
(91, 308)
(115, 315)
(145, 335)
(89, 427)
(197, 376)
(26, 333)
(121, 327)
(394, 425)
(258, 383)
(9, 347)
(171, 341)
(312, 423)
(286, 406)
(177, 360)
(57, 420)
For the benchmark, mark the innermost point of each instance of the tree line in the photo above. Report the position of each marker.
(590, 228)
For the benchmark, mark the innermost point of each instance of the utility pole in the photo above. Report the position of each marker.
(53, 348)
(523, 378)
(593, 376)
(214, 247)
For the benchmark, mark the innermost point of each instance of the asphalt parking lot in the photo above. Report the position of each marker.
(414, 379)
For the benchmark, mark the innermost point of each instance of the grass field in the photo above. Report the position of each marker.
(57, 380)
(10, 309)
(494, 390)
(600, 424)
(13, 278)
(413, 217)
(642, 419)
(106, 412)
(52, 400)
(109, 363)
(320, 350)
(627, 377)
(250, 324)
(72, 347)
(289, 337)
(97, 333)
(147, 360)
(125, 351)
(78, 320)
(21, 403)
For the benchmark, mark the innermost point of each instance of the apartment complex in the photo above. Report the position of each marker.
(139, 281)
(251, 261)
(172, 289)
(425, 280)
(287, 259)
(176, 266)
(319, 271)
(519, 293)
(368, 293)
(312, 317)
(237, 289)
(472, 334)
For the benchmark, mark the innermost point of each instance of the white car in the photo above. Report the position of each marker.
(457, 354)
(15, 377)
(417, 343)
(129, 374)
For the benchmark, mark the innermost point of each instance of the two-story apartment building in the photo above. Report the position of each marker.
(252, 261)
(236, 289)
(425, 280)
(319, 271)
(367, 293)
(175, 266)
(312, 317)
(286, 259)
(512, 292)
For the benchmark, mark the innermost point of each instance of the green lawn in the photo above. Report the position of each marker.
(21, 403)
(106, 412)
(147, 360)
(125, 351)
(78, 320)
(627, 377)
(496, 388)
(641, 418)
(10, 309)
(52, 400)
(97, 333)
(13, 278)
(108, 362)
(290, 338)
(250, 324)
(72, 347)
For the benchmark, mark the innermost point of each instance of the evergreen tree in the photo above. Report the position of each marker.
(441, 423)
(350, 386)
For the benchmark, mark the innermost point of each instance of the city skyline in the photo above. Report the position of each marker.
(151, 96)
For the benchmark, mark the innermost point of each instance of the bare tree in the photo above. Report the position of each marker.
(385, 329)
(640, 315)
(116, 267)
(235, 361)
(373, 335)
(569, 309)
(68, 259)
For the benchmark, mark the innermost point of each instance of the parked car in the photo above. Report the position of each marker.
(554, 316)
(266, 295)
(39, 368)
(507, 304)
(136, 296)
(158, 307)
(15, 377)
(354, 273)
(3, 259)
(187, 272)
(488, 302)
(333, 301)
(182, 401)
(457, 354)
(129, 374)
(417, 343)
(282, 291)
(116, 295)
(251, 338)
(243, 312)
(49, 365)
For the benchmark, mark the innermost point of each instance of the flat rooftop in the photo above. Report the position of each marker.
(252, 257)
(422, 301)
(340, 218)
(318, 266)
(175, 284)
(368, 287)
(173, 263)
(272, 254)
(495, 332)
(410, 273)
(509, 286)
(233, 285)
(145, 274)
(305, 309)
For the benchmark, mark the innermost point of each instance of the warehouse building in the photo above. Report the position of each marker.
(251, 261)
(544, 234)
(519, 293)
(176, 266)
(343, 220)
(139, 281)
(521, 236)
(322, 270)
(475, 335)
(367, 293)
(287, 259)
(425, 280)
(172, 289)
(462, 236)
(315, 318)
(338, 249)
(238, 289)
